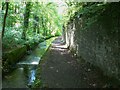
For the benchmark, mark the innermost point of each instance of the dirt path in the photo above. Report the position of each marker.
(60, 69)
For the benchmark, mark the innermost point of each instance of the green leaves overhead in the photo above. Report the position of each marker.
(48, 15)
(34, 20)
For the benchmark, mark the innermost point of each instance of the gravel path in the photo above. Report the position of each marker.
(60, 69)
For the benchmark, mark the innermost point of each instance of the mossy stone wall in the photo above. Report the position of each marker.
(98, 44)
(10, 58)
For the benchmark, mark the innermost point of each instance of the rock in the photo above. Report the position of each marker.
(89, 70)
(94, 85)
(56, 70)
(51, 67)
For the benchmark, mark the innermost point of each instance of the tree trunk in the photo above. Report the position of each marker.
(36, 24)
(15, 9)
(4, 21)
(43, 27)
(38, 29)
(26, 19)
(3, 5)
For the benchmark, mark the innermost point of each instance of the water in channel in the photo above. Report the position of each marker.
(24, 74)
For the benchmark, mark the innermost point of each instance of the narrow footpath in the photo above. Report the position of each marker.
(61, 69)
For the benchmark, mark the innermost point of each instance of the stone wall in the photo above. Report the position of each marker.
(98, 44)
(10, 58)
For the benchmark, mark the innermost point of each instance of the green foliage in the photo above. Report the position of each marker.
(44, 20)
(12, 38)
(37, 83)
(88, 12)
(49, 23)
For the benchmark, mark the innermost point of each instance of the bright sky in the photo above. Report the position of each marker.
(61, 5)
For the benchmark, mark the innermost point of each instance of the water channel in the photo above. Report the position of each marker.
(24, 74)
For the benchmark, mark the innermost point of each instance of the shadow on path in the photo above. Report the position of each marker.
(60, 69)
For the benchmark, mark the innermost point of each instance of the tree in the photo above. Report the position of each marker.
(26, 19)
(36, 24)
(4, 20)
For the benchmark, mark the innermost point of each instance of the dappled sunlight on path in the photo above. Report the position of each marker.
(59, 45)
(60, 69)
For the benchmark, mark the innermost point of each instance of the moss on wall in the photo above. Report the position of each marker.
(10, 58)
(98, 42)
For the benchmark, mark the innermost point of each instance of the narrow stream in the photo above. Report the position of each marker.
(24, 74)
(21, 77)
